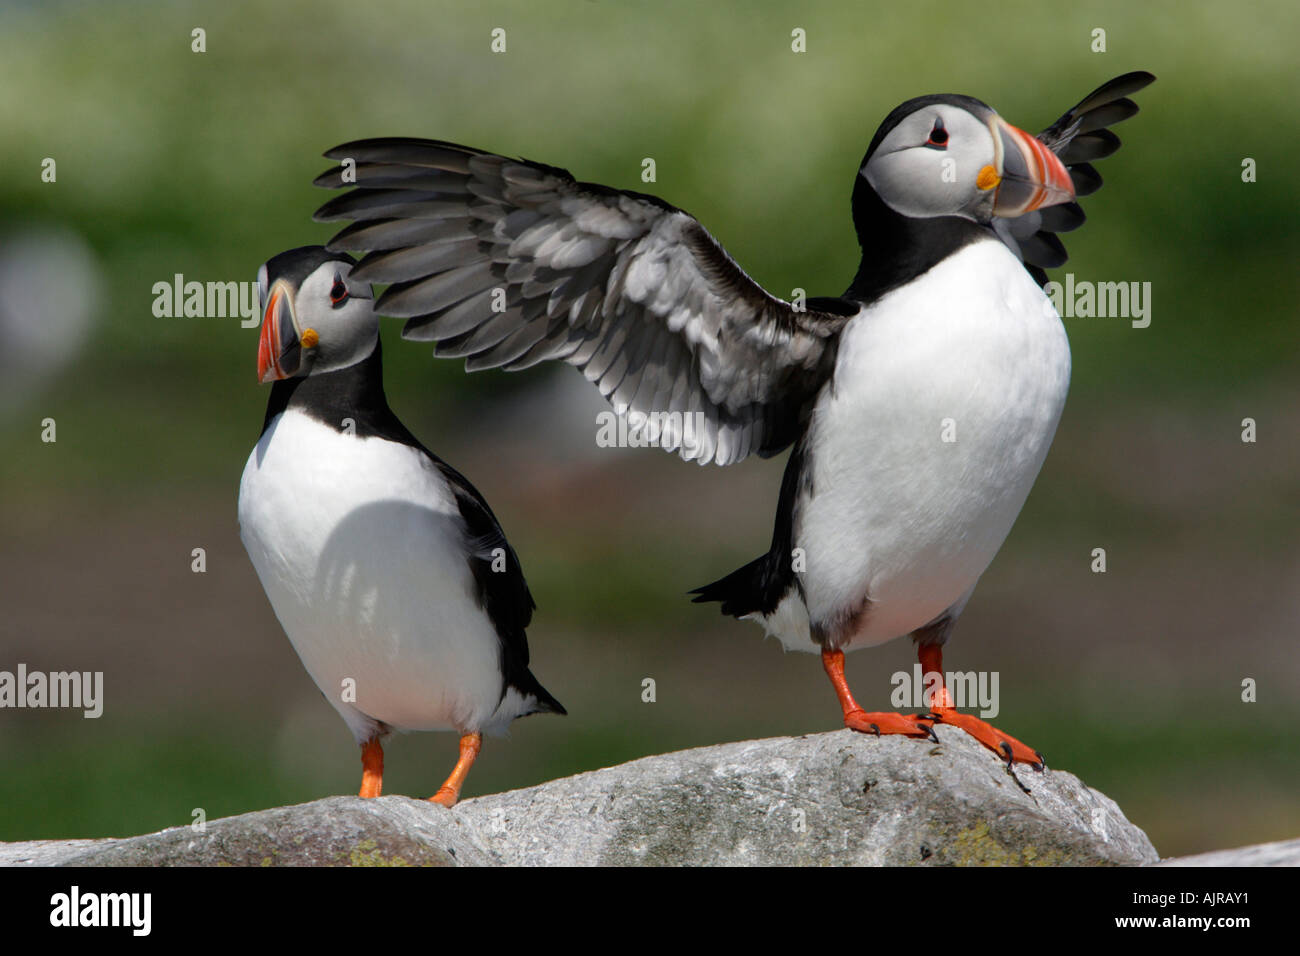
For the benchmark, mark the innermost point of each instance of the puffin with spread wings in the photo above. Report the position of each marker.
(920, 403)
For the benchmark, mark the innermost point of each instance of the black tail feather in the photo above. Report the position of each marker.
(528, 685)
(755, 587)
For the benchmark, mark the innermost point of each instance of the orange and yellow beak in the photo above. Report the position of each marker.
(1026, 174)
(280, 346)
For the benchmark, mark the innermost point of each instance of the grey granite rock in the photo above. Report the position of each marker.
(836, 798)
(336, 831)
(1283, 853)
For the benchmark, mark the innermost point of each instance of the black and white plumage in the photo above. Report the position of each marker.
(387, 569)
(632, 291)
(883, 526)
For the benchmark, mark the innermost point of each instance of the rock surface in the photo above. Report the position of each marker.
(1283, 853)
(836, 798)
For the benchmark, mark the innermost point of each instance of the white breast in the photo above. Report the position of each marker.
(973, 351)
(360, 547)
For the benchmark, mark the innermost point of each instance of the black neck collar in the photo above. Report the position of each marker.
(354, 394)
(897, 248)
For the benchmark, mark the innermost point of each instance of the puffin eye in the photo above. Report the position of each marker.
(938, 136)
(339, 291)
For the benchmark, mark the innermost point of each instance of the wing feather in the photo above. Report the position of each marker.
(1080, 136)
(507, 263)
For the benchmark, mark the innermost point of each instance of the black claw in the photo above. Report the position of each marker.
(1012, 774)
(929, 732)
(875, 729)
(1006, 750)
(1042, 761)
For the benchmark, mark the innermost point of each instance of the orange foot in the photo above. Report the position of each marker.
(888, 723)
(867, 722)
(921, 725)
(1004, 745)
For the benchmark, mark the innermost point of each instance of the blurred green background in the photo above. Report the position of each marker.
(170, 161)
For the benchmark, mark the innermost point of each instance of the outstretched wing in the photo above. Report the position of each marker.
(507, 263)
(1078, 138)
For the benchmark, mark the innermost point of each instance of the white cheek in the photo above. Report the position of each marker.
(917, 183)
(923, 183)
(348, 336)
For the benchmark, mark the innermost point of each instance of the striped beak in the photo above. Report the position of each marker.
(1030, 176)
(279, 350)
